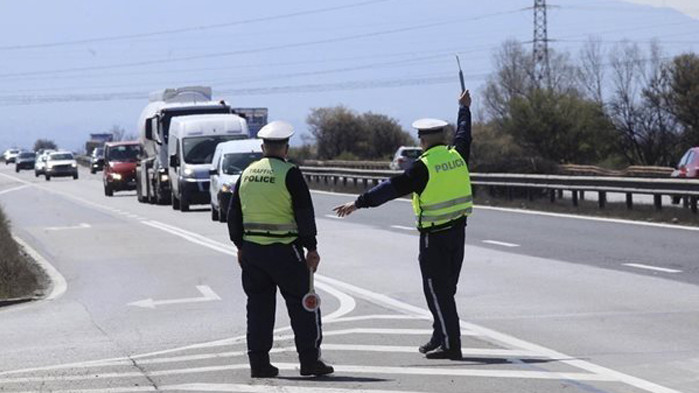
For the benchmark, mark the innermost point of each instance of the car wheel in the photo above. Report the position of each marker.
(92, 171)
(48, 177)
(17, 169)
(75, 177)
(108, 191)
(214, 213)
(184, 205)
(36, 174)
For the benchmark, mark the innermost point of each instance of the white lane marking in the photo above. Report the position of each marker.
(492, 334)
(404, 228)
(542, 213)
(347, 303)
(207, 295)
(67, 228)
(497, 243)
(654, 268)
(354, 369)
(105, 390)
(13, 189)
(58, 282)
(193, 237)
(505, 339)
(233, 388)
(334, 217)
(375, 317)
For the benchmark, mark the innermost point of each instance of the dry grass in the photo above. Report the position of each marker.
(18, 276)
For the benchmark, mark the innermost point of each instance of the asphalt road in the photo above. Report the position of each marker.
(153, 302)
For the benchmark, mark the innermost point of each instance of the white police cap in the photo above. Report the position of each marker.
(429, 126)
(276, 131)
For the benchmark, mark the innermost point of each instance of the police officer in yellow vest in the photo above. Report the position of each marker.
(271, 221)
(441, 187)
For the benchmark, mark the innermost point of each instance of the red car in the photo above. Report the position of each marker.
(689, 164)
(120, 159)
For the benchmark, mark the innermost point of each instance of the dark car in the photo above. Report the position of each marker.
(25, 160)
(97, 160)
(120, 159)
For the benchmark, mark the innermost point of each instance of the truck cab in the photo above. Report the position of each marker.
(192, 141)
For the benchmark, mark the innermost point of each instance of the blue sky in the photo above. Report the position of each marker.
(73, 67)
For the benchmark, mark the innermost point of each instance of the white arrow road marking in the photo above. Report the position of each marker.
(13, 189)
(655, 268)
(497, 243)
(208, 295)
(79, 226)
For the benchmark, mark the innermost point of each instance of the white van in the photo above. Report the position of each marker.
(230, 160)
(192, 142)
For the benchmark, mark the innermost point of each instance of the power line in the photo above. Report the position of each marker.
(255, 50)
(190, 29)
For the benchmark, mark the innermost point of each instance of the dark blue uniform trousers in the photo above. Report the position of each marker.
(441, 257)
(264, 269)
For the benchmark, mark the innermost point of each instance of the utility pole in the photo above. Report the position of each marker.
(541, 45)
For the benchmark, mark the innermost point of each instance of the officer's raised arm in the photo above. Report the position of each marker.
(462, 137)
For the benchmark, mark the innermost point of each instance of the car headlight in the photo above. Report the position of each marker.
(50, 166)
(188, 172)
(116, 176)
(74, 165)
(226, 188)
(164, 177)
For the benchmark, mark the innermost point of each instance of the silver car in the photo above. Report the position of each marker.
(404, 157)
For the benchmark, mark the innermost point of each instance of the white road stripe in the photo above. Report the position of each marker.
(353, 369)
(404, 228)
(67, 228)
(58, 283)
(347, 303)
(497, 243)
(334, 217)
(207, 387)
(13, 189)
(654, 268)
(542, 213)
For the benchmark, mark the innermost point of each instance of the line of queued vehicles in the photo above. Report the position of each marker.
(191, 150)
(47, 162)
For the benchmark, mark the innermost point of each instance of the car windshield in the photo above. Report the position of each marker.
(200, 150)
(235, 163)
(411, 153)
(61, 156)
(123, 153)
(99, 152)
(27, 155)
(685, 159)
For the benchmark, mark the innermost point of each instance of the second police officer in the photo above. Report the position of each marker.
(271, 221)
(442, 199)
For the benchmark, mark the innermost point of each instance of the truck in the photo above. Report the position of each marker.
(192, 143)
(153, 183)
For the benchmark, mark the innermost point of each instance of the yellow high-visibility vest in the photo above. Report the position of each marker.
(268, 215)
(447, 196)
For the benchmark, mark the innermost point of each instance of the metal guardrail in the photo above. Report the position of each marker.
(687, 189)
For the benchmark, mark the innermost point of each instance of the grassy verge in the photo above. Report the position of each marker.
(19, 276)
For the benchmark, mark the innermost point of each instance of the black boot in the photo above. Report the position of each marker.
(317, 367)
(443, 353)
(428, 346)
(264, 371)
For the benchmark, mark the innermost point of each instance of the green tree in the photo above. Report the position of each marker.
(683, 97)
(561, 127)
(44, 144)
(340, 132)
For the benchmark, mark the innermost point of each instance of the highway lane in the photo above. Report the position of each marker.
(630, 322)
(611, 244)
